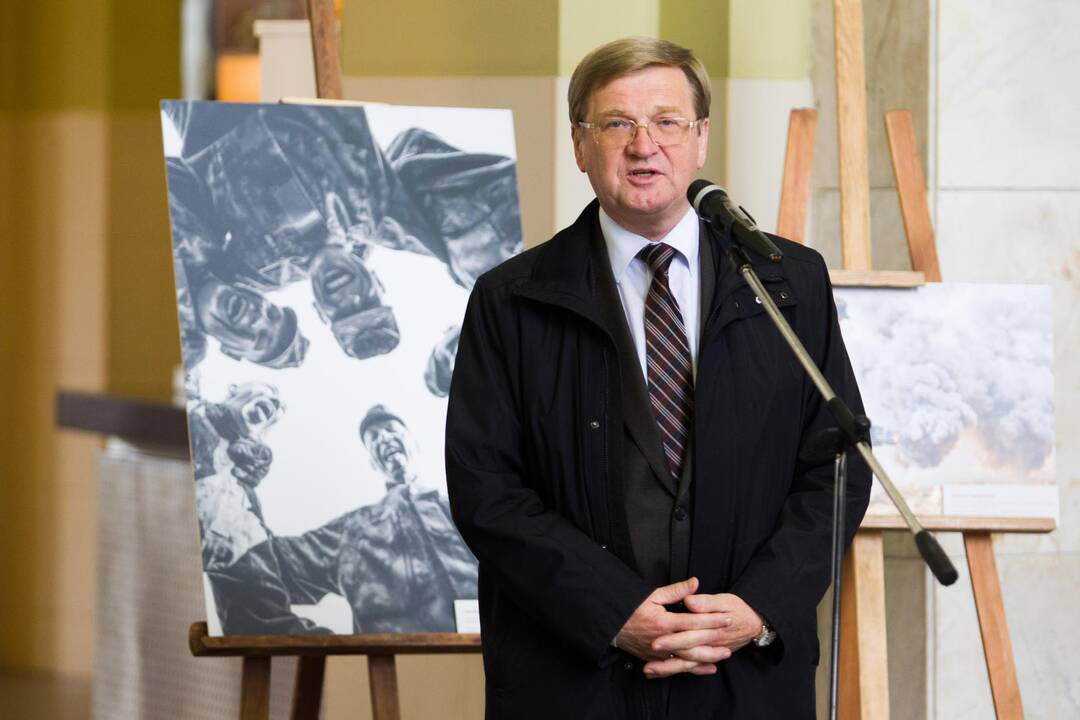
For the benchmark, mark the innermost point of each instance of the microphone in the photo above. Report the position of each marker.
(712, 203)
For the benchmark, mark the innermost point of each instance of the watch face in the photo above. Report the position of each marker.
(765, 637)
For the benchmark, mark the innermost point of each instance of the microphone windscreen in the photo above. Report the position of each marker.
(695, 189)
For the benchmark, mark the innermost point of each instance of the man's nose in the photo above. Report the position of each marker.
(642, 144)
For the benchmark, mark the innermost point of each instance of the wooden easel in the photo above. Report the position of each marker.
(312, 650)
(864, 689)
(258, 650)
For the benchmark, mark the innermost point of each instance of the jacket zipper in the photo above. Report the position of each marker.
(604, 473)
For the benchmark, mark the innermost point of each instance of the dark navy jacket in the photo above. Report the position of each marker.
(533, 455)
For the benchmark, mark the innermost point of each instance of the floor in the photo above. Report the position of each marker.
(29, 696)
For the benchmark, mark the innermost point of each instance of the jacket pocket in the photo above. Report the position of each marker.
(515, 644)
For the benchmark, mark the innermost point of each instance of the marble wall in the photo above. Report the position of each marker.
(992, 88)
(1007, 209)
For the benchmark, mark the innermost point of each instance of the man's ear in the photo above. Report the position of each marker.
(703, 142)
(577, 137)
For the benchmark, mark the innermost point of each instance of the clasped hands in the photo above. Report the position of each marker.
(693, 642)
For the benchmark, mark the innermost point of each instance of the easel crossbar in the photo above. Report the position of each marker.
(204, 645)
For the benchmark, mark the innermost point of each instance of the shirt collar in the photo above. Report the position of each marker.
(623, 245)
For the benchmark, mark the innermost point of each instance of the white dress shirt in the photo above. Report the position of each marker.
(633, 277)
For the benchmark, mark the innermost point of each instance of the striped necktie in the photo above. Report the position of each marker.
(667, 355)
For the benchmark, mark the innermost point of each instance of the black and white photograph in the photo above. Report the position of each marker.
(323, 257)
(958, 381)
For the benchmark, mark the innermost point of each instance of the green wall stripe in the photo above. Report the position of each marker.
(439, 38)
(587, 25)
(701, 25)
(770, 39)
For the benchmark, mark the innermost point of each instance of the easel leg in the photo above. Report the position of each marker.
(255, 689)
(864, 666)
(325, 47)
(798, 173)
(990, 608)
(307, 692)
(911, 188)
(853, 134)
(382, 675)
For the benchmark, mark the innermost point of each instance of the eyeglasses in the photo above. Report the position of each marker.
(617, 132)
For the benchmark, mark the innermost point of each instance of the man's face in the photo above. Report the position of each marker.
(341, 283)
(391, 448)
(255, 406)
(642, 186)
(247, 324)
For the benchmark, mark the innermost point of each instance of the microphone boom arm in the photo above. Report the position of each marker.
(929, 548)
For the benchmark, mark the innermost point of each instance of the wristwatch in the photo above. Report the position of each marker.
(765, 637)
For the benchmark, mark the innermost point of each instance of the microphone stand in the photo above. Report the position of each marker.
(852, 433)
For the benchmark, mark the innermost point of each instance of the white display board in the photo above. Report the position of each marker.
(958, 382)
(324, 256)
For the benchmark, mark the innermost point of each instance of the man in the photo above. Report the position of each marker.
(212, 298)
(248, 326)
(230, 460)
(248, 411)
(468, 199)
(400, 563)
(650, 543)
(284, 181)
(322, 178)
(349, 298)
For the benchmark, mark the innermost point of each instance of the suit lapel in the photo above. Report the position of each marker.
(637, 411)
(707, 268)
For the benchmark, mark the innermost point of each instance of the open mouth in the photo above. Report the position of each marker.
(336, 279)
(235, 306)
(389, 449)
(260, 411)
(643, 173)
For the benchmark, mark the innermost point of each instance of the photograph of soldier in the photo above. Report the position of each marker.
(306, 239)
(230, 459)
(400, 563)
(284, 180)
(248, 326)
(468, 199)
(259, 195)
(349, 298)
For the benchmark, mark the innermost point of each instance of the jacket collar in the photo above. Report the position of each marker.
(623, 246)
(563, 274)
(728, 280)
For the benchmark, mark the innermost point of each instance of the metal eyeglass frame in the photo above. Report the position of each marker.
(596, 130)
